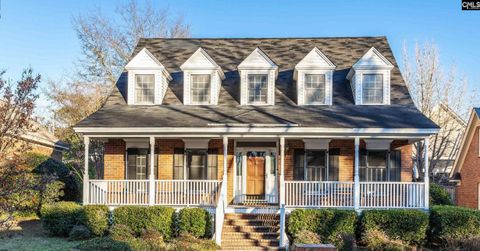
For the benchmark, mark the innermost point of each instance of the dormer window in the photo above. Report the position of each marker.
(144, 88)
(257, 79)
(314, 89)
(200, 88)
(147, 79)
(202, 79)
(372, 88)
(257, 88)
(370, 79)
(314, 74)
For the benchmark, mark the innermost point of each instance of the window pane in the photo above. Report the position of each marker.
(372, 87)
(257, 88)
(197, 161)
(314, 88)
(374, 166)
(316, 168)
(200, 88)
(298, 164)
(144, 88)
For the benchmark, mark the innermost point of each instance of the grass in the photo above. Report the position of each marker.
(28, 235)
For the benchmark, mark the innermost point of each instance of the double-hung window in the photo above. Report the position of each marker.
(144, 88)
(200, 88)
(380, 165)
(314, 89)
(316, 165)
(372, 88)
(138, 164)
(201, 164)
(257, 88)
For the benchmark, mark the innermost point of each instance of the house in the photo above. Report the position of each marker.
(259, 126)
(446, 143)
(465, 170)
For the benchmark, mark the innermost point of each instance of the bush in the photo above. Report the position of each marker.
(143, 218)
(407, 225)
(439, 195)
(195, 221)
(377, 240)
(79, 232)
(44, 165)
(307, 237)
(333, 225)
(121, 232)
(95, 218)
(449, 223)
(103, 244)
(187, 242)
(60, 217)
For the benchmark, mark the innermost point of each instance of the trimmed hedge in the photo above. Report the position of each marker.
(60, 217)
(439, 195)
(407, 225)
(195, 221)
(142, 218)
(331, 224)
(453, 223)
(95, 218)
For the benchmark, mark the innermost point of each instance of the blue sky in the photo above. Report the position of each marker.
(40, 34)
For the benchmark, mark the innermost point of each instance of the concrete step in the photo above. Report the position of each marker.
(250, 243)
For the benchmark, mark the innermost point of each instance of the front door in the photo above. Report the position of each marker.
(256, 173)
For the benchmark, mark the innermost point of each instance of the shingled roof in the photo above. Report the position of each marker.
(286, 53)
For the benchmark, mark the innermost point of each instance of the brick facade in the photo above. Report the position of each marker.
(467, 190)
(115, 158)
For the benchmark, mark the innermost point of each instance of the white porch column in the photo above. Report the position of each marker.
(356, 177)
(282, 171)
(151, 176)
(426, 177)
(86, 143)
(225, 166)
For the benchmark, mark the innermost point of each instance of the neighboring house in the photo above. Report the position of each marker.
(42, 141)
(446, 143)
(466, 168)
(259, 126)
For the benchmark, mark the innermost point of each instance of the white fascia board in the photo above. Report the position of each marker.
(314, 60)
(252, 130)
(138, 63)
(361, 63)
(200, 52)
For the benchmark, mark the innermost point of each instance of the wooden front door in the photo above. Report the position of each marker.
(255, 173)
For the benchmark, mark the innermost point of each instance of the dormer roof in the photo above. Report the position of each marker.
(145, 60)
(257, 60)
(200, 60)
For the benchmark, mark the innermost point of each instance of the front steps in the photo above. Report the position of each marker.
(246, 231)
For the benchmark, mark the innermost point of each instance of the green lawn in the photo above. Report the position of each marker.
(29, 235)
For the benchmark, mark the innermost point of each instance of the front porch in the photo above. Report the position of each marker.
(336, 172)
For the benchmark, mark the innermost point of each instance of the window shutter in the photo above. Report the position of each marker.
(334, 164)
(131, 166)
(178, 164)
(298, 164)
(212, 164)
(395, 165)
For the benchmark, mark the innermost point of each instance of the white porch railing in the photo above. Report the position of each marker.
(187, 192)
(392, 195)
(118, 192)
(167, 192)
(341, 194)
(318, 194)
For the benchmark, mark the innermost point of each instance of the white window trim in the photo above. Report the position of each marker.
(301, 86)
(159, 86)
(270, 86)
(215, 81)
(359, 86)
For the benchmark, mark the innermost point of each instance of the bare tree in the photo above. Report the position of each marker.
(440, 95)
(108, 42)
